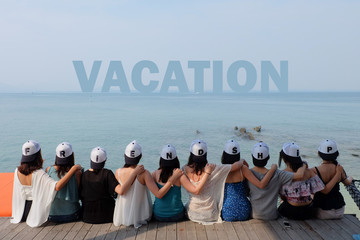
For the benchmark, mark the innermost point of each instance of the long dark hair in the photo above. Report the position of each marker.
(198, 163)
(64, 168)
(27, 168)
(167, 169)
(329, 157)
(294, 162)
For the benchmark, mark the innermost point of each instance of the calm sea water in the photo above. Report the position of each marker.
(113, 120)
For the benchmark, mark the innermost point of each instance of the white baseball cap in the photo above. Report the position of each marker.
(260, 151)
(168, 152)
(328, 147)
(133, 149)
(30, 150)
(98, 155)
(64, 153)
(232, 147)
(291, 149)
(198, 148)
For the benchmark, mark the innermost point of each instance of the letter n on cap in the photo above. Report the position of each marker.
(169, 155)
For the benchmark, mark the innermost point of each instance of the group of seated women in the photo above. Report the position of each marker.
(229, 191)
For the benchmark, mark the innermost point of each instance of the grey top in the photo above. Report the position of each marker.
(264, 201)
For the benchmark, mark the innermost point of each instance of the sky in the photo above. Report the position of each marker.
(41, 39)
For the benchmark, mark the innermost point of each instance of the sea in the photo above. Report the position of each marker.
(112, 120)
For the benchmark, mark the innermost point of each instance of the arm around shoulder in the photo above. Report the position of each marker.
(62, 182)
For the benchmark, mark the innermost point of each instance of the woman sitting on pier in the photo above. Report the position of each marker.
(206, 207)
(66, 206)
(98, 187)
(34, 190)
(134, 206)
(236, 205)
(329, 202)
(170, 208)
(297, 195)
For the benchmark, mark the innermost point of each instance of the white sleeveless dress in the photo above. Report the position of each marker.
(134, 207)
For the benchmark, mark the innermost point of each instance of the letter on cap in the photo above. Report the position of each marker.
(329, 149)
(260, 155)
(169, 155)
(132, 153)
(27, 150)
(297, 152)
(234, 150)
(97, 158)
(200, 152)
(62, 153)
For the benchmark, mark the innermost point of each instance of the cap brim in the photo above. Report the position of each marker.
(64, 161)
(29, 158)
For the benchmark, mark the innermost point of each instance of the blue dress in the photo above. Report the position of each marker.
(236, 205)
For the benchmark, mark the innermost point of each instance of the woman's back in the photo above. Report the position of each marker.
(66, 201)
(134, 207)
(97, 195)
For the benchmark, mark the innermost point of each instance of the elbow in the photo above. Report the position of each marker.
(197, 192)
(159, 196)
(57, 187)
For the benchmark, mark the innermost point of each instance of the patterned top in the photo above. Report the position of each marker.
(236, 205)
(301, 191)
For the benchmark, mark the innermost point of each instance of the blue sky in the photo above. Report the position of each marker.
(40, 39)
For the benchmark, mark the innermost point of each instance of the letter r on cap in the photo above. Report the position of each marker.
(62, 153)
(329, 149)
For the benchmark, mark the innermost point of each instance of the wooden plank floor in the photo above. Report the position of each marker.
(252, 229)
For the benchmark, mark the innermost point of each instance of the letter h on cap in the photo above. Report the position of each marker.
(260, 155)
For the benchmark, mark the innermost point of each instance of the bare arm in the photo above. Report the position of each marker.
(299, 174)
(346, 180)
(251, 177)
(62, 182)
(159, 193)
(209, 168)
(122, 189)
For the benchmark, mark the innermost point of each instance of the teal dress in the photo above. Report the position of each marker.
(170, 206)
(66, 206)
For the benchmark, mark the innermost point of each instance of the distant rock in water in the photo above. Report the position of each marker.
(250, 135)
(197, 132)
(244, 134)
(303, 156)
(242, 130)
(355, 155)
(257, 129)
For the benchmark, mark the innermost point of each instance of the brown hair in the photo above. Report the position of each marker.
(27, 168)
(63, 169)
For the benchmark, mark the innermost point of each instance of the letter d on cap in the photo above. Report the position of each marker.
(200, 152)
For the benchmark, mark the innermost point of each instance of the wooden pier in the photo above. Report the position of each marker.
(252, 230)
